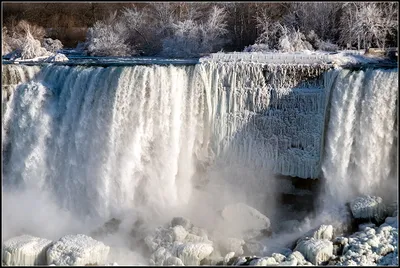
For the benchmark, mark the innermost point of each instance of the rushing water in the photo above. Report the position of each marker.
(361, 137)
(107, 141)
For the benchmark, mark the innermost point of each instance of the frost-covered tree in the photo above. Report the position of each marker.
(276, 36)
(368, 24)
(24, 41)
(108, 38)
(52, 45)
(193, 38)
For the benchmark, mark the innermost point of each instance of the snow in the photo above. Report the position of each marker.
(77, 250)
(25, 250)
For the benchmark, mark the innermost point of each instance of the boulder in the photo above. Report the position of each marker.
(315, 251)
(244, 220)
(368, 208)
(25, 250)
(324, 232)
(278, 257)
(193, 253)
(77, 250)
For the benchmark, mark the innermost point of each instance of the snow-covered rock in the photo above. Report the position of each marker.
(193, 253)
(368, 208)
(315, 251)
(278, 257)
(59, 57)
(324, 232)
(266, 261)
(77, 250)
(25, 250)
(228, 257)
(244, 220)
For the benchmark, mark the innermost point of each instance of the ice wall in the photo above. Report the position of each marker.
(361, 135)
(267, 116)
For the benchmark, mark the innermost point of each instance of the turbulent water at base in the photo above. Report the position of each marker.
(104, 142)
(361, 137)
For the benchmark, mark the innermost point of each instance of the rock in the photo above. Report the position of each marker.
(185, 223)
(196, 239)
(193, 253)
(368, 208)
(363, 226)
(226, 245)
(278, 257)
(315, 251)
(244, 220)
(179, 233)
(392, 221)
(298, 256)
(59, 57)
(228, 257)
(324, 232)
(25, 250)
(77, 250)
(173, 261)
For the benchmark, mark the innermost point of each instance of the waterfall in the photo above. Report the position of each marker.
(109, 141)
(361, 136)
(104, 141)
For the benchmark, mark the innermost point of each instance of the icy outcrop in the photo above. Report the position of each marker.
(371, 246)
(193, 253)
(315, 251)
(77, 250)
(25, 250)
(169, 244)
(368, 208)
(244, 221)
(324, 232)
(59, 57)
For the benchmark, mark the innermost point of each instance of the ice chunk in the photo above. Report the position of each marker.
(243, 219)
(193, 253)
(368, 208)
(25, 250)
(324, 232)
(315, 251)
(77, 250)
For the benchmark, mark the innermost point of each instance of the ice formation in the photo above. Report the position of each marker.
(25, 250)
(316, 251)
(368, 208)
(77, 250)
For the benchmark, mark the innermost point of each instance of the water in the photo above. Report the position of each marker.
(90, 143)
(361, 136)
